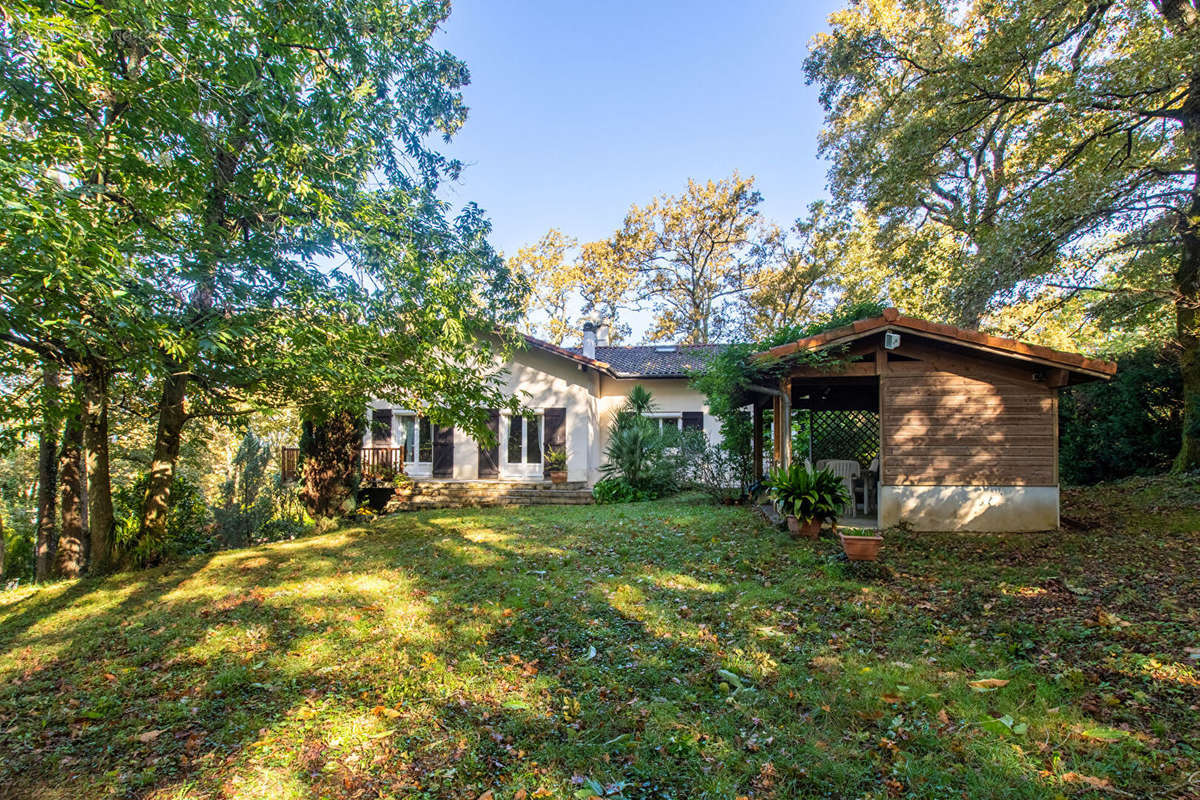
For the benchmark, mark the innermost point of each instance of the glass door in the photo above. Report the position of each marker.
(521, 449)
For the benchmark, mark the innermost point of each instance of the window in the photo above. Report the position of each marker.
(417, 437)
(524, 440)
(381, 427)
(516, 433)
(533, 441)
(665, 423)
(424, 440)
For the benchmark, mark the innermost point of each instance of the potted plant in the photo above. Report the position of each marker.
(807, 497)
(402, 487)
(861, 545)
(556, 465)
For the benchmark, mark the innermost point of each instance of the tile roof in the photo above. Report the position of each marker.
(638, 361)
(893, 320)
(656, 361)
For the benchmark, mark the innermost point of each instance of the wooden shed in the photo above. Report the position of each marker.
(955, 429)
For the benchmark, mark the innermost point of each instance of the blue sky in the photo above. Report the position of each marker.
(578, 110)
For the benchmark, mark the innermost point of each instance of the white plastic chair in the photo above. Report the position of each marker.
(846, 469)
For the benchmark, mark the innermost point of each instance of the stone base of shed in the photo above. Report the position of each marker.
(970, 508)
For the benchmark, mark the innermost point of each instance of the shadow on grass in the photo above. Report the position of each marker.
(662, 650)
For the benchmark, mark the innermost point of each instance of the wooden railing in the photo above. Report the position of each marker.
(376, 463)
(380, 464)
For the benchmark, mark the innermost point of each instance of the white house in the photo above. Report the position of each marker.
(573, 394)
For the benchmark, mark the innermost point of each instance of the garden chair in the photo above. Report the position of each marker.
(846, 469)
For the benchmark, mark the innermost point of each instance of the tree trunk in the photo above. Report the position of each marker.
(47, 473)
(69, 560)
(1187, 276)
(95, 459)
(1187, 283)
(171, 418)
(329, 446)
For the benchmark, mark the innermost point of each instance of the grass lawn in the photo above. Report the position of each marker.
(657, 650)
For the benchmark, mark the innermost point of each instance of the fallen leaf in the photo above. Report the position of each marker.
(148, 736)
(384, 711)
(1103, 734)
(486, 795)
(891, 698)
(987, 684)
(1088, 780)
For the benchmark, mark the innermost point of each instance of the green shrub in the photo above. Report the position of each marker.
(20, 526)
(257, 507)
(1131, 425)
(619, 490)
(642, 456)
(188, 527)
(716, 471)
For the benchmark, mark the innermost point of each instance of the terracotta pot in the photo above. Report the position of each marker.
(558, 476)
(861, 548)
(808, 529)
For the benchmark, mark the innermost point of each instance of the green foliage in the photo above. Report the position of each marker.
(617, 489)
(188, 524)
(20, 528)
(329, 443)
(1003, 144)
(807, 494)
(556, 459)
(642, 455)
(726, 376)
(1130, 425)
(720, 472)
(255, 506)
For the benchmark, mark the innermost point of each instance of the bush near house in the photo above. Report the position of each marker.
(668, 649)
(1130, 425)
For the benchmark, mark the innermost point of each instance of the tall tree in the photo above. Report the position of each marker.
(797, 274)
(554, 278)
(69, 560)
(1028, 131)
(569, 279)
(214, 160)
(47, 473)
(692, 254)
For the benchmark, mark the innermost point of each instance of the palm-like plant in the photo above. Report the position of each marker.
(636, 448)
(808, 494)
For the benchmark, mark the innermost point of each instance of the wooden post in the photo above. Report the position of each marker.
(757, 448)
(785, 403)
(776, 446)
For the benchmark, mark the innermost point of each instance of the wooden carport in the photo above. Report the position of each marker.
(968, 422)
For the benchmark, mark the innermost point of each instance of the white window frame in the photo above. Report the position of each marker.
(413, 467)
(522, 470)
(662, 416)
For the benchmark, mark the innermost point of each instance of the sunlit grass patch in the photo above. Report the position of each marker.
(658, 650)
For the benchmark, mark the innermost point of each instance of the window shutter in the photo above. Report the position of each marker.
(489, 457)
(556, 433)
(443, 451)
(693, 420)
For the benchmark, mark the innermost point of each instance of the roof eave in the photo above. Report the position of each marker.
(995, 345)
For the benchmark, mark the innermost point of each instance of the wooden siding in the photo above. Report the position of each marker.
(947, 428)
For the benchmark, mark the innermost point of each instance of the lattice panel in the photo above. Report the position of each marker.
(846, 435)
